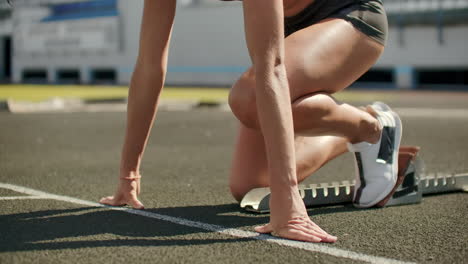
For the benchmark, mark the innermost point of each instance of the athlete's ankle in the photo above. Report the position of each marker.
(369, 130)
(374, 130)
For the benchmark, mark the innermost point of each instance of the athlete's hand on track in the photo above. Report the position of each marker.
(126, 194)
(289, 220)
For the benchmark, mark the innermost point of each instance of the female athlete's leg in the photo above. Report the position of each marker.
(249, 165)
(321, 59)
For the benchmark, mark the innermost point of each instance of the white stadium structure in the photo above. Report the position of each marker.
(96, 41)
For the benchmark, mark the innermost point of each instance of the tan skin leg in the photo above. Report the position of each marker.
(320, 60)
(249, 165)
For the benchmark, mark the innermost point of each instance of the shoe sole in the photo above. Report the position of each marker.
(404, 160)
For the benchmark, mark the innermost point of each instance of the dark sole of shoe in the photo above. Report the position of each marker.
(406, 154)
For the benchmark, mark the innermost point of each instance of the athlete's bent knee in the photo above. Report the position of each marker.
(238, 191)
(242, 101)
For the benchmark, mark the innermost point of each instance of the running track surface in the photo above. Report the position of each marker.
(191, 216)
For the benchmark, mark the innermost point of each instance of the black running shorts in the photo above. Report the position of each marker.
(368, 16)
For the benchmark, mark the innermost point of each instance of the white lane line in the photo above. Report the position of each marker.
(6, 198)
(320, 248)
(431, 112)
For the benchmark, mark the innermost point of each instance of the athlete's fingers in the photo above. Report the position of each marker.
(308, 223)
(264, 229)
(299, 235)
(309, 230)
(136, 204)
(318, 227)
(109, 200)
(328, 238)
(112, 201)
(309, 227)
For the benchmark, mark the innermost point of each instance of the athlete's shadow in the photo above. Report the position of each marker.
(232, 216)
(91, 227)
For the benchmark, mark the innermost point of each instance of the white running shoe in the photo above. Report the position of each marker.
(377, 164)
(381, 106)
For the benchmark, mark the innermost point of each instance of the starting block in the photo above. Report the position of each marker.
(412, 184)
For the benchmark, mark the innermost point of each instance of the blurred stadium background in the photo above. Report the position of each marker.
(95, 42)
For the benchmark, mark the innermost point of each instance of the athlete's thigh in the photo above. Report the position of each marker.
(325, 57)
(328, 57)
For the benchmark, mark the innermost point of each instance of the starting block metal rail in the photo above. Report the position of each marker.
(414, 186)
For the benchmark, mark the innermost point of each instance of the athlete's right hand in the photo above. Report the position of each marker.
(289, 219)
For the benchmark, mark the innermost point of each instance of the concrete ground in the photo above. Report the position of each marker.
(185, 172)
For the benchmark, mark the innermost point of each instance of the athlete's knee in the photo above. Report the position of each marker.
(237, 191)
(242, 100)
